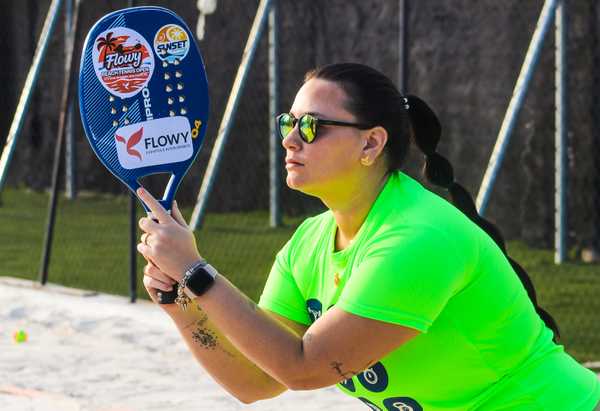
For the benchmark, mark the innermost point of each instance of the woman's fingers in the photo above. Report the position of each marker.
(153, 283)
(170, 244)
(151, 269)
(152, 292)
(148, 225)
(154, 272)
(176, 214)
(144, 250)
(157, 210)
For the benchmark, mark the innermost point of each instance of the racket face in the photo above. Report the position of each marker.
(143, 95)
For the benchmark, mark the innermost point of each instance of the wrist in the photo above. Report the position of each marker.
(171, 309)
(196, 280)
(185, 267)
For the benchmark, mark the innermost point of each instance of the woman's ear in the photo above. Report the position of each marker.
(374, 143)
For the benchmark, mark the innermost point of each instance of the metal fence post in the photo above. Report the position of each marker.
(275, 145)
(560, 118)
(229, 114)
(67, 93)
(70, 165)
(133, 237)
(516, 102)
(30, 81)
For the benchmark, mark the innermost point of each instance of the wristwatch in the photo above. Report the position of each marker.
(199, 278)
(195, 281)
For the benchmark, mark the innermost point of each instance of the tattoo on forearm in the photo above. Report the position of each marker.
(205, 337)
(189, 325)
(198, 322)
(337, 366)
(203, 319)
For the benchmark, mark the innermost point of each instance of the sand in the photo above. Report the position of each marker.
(94, 352)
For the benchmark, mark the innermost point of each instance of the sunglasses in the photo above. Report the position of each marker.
(308, 125)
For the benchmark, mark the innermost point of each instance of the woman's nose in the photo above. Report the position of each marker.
(292, 141)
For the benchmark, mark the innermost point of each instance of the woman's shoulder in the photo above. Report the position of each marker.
(410, 215)
(418, 206)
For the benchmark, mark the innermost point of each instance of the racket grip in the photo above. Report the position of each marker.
(167, 297)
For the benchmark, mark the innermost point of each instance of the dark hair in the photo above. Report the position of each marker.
(374, 99)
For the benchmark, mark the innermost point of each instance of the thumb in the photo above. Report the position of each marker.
(176, 214)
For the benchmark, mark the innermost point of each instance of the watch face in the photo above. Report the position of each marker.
(200, 280)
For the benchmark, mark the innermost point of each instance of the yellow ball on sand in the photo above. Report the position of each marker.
(20, 336)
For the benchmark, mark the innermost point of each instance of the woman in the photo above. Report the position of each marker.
(401, 298)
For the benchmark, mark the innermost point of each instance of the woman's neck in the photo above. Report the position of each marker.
(351, 211)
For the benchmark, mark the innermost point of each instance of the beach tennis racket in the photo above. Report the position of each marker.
(143, 98)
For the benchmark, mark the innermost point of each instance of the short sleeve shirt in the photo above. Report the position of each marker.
(417, 261)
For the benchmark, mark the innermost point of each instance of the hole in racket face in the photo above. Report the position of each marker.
(155, 183)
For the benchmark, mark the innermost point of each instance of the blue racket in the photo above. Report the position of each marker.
(143, 97)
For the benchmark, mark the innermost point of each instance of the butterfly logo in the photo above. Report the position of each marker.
(132, 141)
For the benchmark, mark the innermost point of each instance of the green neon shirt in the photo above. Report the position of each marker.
(419, 262)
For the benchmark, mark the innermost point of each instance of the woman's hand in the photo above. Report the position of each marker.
(168, 244)
(155, 280)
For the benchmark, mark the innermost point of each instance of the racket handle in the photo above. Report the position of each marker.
(167, 297)
(164, 297)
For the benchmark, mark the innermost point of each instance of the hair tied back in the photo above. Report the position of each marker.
(427, 131)
(425, 124)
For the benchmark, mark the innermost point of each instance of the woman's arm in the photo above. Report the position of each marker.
(333, 349)
(219, 357)
(227, 366)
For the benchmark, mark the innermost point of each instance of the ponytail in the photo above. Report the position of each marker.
(426, 133)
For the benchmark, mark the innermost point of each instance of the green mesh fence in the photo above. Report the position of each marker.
(463, 58)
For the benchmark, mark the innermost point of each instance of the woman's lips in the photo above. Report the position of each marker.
(291, 163)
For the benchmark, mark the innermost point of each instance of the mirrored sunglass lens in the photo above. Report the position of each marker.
(308, 128)
(286, 125)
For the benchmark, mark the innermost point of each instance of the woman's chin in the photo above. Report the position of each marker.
(293, 181)
(296, 182)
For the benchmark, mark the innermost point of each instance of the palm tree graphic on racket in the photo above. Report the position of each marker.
(106, 44)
